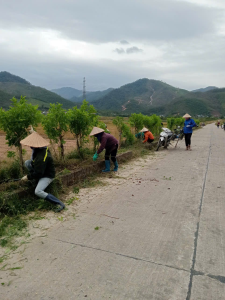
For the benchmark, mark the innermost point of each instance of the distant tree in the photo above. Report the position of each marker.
(153, 123)
(173, 122)
(55, 124)
(16, 120)
(81, 121)
(136, 121)
(118, 121)
(124, 131)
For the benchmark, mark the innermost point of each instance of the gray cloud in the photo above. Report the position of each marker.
(119, 50)
(130, 50)
(133, 50)
(100, 21)
(124, 42)
(191, 52)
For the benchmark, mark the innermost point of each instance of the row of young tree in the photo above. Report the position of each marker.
(79, 121)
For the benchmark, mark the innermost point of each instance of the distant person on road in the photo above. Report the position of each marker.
(41, 167)
(110, 144)
(218, 124)
(188, 125)
(148, 135)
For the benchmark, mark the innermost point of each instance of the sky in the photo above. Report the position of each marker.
(55, 43)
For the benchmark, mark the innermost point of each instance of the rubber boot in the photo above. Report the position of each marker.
(107, 166)
(116, 166)
(55, 201)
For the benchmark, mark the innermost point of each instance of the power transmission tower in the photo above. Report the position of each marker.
(84, 89)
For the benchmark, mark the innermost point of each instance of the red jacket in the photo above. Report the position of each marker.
(107, 142)
(148, 135)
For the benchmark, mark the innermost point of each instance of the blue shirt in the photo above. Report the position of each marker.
(190, 123)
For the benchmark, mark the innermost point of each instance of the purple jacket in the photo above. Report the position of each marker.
(107, 142)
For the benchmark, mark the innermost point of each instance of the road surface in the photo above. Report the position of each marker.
(158, 233)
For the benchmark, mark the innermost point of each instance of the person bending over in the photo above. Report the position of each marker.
(110, 144)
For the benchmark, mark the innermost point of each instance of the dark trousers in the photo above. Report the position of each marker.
(113, 153)
(150, 140)
(188, 139)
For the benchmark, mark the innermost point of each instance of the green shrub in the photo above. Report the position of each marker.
(136, 121)
(13, 171)
(153, 123)
(83, 153)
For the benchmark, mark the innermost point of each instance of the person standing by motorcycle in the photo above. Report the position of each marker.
(188, 125)
(148, 135)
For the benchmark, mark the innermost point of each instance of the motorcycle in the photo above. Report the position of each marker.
(179, 133)
(166, 136)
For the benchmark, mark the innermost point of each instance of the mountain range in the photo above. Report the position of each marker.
(147, 96)
(14, 86)
(75, 95)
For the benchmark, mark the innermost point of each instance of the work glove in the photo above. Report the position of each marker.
(95, 156)
(24, 178)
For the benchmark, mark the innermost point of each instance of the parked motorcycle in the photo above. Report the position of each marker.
(179, 133)
(166, 136)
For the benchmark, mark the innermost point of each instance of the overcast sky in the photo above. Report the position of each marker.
(55, 43)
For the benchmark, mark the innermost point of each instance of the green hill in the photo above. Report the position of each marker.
(208, 88)
(68, 92)
(4, 99)
(141, 95)
(8, 77)
(153, 96)
(92, 96)
(34, 94)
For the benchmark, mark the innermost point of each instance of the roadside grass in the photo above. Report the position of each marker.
(15, 212)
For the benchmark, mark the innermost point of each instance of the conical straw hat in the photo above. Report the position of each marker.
(144, 129)
(186, 116)
(35, 140)
(96, 130)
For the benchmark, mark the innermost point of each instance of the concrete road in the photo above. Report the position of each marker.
(161, 235)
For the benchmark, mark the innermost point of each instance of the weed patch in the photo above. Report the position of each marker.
(11, 227)
(71, 200)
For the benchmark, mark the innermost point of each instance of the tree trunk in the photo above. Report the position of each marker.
(61, 147)
(78, 145)
(21, 158)
(120, 140)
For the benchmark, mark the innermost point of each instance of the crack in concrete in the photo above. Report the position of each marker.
(192, 270)
(124, 255)
(216, 277)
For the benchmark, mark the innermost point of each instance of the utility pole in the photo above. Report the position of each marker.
(84, 89)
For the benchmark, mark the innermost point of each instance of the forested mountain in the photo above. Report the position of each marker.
(15, 86)
(208, 88)
(142, 95)
(75, 95)
(153, 96)
(8, 77)
(68, 92)
(92, 96)
(4, 99)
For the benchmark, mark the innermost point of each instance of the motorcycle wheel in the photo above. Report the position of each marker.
(158, 145)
